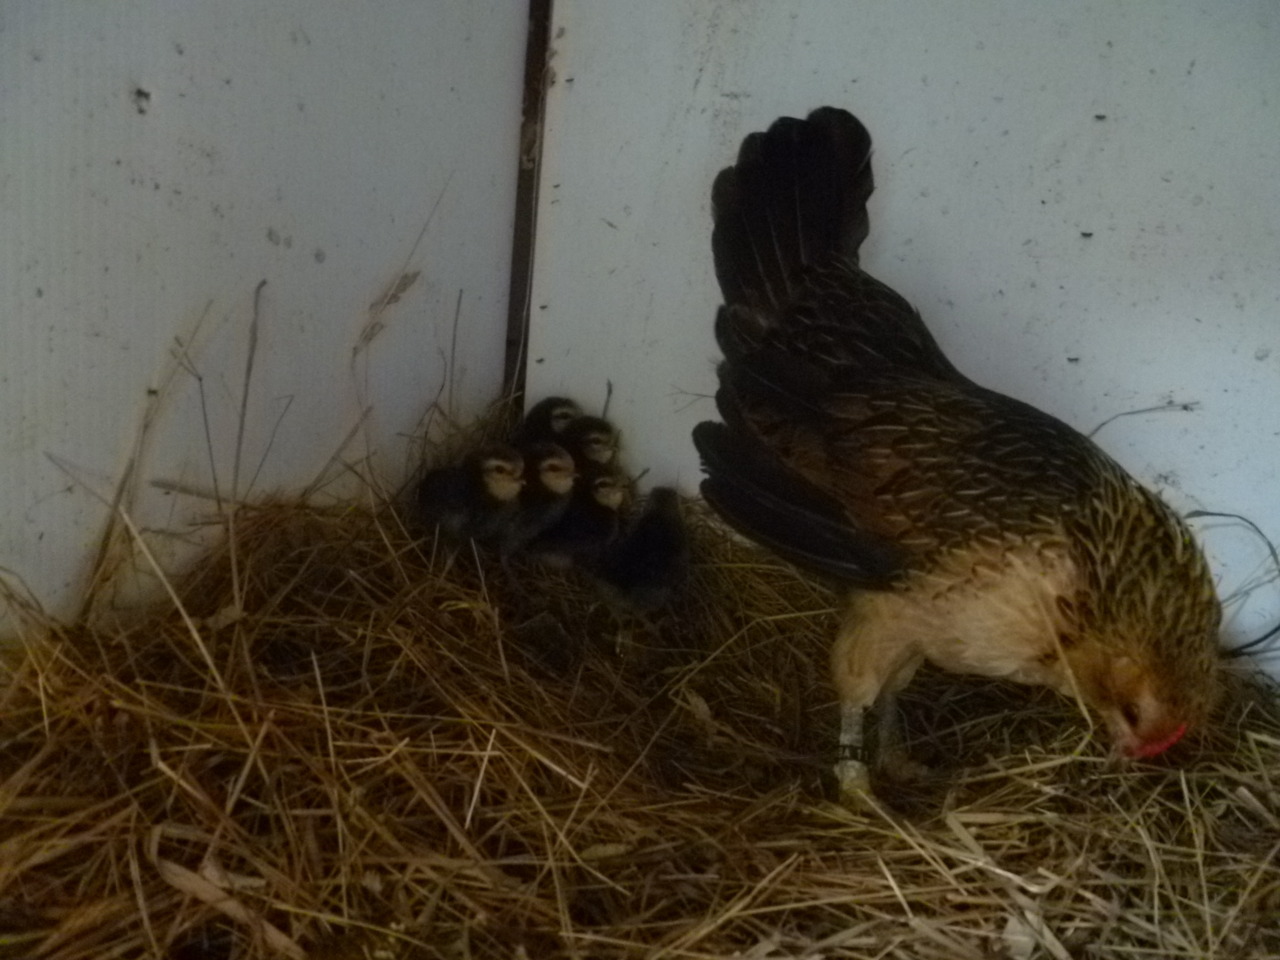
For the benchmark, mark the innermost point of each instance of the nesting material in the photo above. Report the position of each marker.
(347, 743)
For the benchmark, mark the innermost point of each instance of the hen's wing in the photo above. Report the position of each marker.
(851, 445)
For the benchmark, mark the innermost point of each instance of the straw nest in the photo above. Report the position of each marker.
(342, 741)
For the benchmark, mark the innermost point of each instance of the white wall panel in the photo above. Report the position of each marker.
(304, 142)
(1083, 198)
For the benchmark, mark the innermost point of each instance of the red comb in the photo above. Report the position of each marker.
(1160, 746)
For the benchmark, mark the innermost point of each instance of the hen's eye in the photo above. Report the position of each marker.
(1130, 713)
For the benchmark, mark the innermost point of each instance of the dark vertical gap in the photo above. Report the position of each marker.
(535, 70)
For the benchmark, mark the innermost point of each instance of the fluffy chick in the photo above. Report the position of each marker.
(476, 499)
(546, 420)
(549, 481)
(591, 441)
(651, 562)
(589, 525)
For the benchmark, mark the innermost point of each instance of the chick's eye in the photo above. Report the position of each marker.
(1130, 713)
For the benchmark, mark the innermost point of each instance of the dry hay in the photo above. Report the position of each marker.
(357, 746)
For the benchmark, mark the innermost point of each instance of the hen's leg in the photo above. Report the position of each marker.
(871, 658)
(892, 762)
(853, 773)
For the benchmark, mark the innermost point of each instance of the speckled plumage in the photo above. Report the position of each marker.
(973, 530)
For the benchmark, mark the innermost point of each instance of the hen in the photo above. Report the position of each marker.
(971, 529)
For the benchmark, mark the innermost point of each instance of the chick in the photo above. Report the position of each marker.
(589, 525)
(549, 480)
(476, 499)
(651, 562)
(591, 440)
(546, 420)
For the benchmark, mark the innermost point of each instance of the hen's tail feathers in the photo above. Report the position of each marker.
(779, 510)
(796, 199)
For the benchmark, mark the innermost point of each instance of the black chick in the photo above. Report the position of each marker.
(591, 441)
(590, 524)
(546, 420)
(650, 563)
(476, 499)
(549, 481)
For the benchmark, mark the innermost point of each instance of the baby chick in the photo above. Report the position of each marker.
(591, 440)
(549, 475)
(476, 499)
(651, 562)
(589, 525)
(546, 420)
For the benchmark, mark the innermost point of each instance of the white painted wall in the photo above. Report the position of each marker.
(991, 165)
(310, 143)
